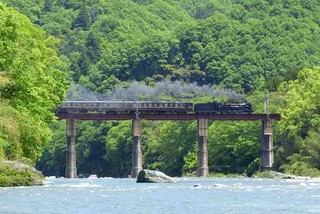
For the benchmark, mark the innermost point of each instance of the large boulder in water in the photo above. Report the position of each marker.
(151, 176)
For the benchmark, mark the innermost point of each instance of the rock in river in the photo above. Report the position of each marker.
(13, 173)
(151, 176)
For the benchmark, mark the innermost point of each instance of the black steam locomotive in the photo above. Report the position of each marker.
(150, 107)
(223, 108)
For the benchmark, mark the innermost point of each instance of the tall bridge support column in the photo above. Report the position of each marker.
(136, 148)
(203, 169)
(71, 167)
(267, 157)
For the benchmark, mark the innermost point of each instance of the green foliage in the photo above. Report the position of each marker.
(92, 148)
(265, 174)
(53, 158)
(233, 147)
(17, 174)
(47, 5)
(167, 149)
(300, 123)
(9, 132)
(31, 85)
(190, 166)
(306, 161)
(243, 45)
(30, 8)
(118, 150)
(253, 167)
(83, 20)
(301, 168)
(301, 110)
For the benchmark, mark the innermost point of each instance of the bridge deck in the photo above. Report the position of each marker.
(99, 116)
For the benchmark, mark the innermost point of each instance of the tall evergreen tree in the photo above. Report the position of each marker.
(83, 20)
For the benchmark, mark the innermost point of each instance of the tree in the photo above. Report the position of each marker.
(118, 150)
(48, 4)
(29, 61)
(167, 150)
(83, 20)
(300, 122)
(232, 147)
(302, 103)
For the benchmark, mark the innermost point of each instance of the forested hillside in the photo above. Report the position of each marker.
(31, 85)
(251, 47)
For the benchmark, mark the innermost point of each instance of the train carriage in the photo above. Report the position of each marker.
(127, 107)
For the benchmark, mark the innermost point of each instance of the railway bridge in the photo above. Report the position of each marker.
(96, 112)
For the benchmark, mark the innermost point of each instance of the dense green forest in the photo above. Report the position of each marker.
(91, 48)
(31, 85)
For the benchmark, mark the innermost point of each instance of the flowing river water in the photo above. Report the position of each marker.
(187, 195)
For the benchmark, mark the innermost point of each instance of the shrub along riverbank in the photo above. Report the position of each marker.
(13, 173)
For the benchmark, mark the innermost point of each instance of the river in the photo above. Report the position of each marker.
(187, 195)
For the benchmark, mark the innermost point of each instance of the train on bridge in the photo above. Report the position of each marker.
(154, 107)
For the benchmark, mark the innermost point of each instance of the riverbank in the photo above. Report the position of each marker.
(13, 173)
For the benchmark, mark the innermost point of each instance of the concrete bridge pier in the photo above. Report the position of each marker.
(267, 157)
(71, 167)
(136, 148)
(203, 169)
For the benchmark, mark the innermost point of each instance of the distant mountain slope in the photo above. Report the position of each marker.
(245, 45)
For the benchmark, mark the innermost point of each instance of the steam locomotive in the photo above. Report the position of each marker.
(223, 108)
(151, 107)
